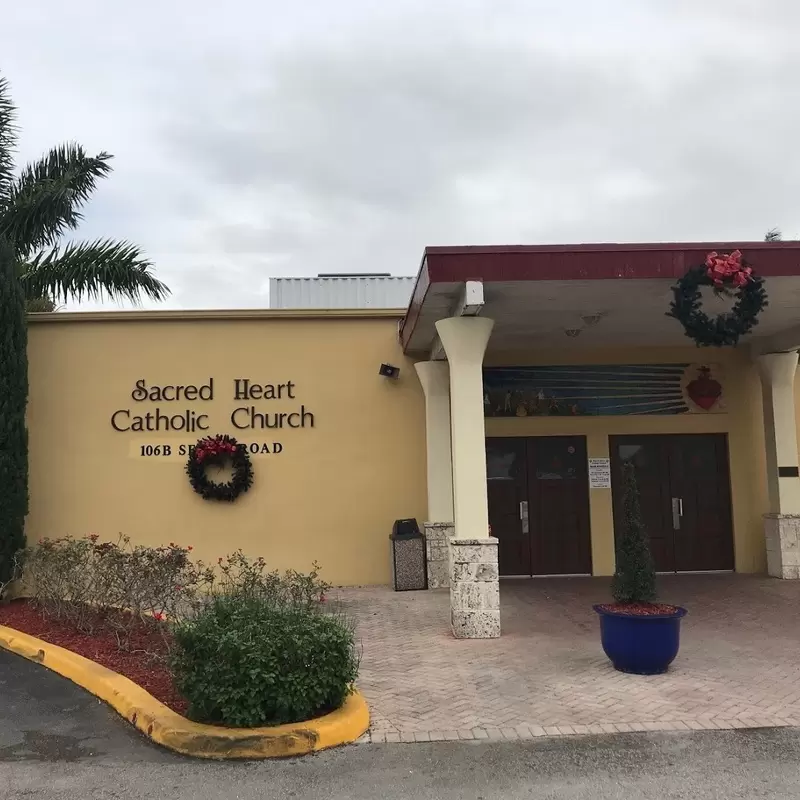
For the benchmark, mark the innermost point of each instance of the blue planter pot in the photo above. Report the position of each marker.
(642, 645)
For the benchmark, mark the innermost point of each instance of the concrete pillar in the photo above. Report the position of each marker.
(474, 586)
(435, 379)
(782, 523)
(464, 340)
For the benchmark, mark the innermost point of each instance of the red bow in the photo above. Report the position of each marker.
(727, 269)
(213, 447)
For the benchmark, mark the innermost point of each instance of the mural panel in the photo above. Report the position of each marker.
(593, 390)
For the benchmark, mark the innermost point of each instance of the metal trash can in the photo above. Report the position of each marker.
(409, 564)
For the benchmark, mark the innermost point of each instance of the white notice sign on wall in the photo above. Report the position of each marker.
(599, 473)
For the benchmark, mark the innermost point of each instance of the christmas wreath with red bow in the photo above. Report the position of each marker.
(729, 276)
(217, 451)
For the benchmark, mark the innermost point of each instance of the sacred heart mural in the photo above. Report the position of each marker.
(597, 390)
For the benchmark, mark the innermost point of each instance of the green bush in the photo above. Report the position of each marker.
(114, 587)
(118, 587)
(246, 661)
(635, 576)
(239, 574)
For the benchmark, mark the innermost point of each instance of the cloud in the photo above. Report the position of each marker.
(260, 140)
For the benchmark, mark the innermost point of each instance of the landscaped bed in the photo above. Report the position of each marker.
(144, 662)
(234, 644)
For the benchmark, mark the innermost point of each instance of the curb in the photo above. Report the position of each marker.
(169, 729)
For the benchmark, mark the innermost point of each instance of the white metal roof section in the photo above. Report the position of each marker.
(350, 291)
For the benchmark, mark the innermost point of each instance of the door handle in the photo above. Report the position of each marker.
(523, 515)
(677, 512)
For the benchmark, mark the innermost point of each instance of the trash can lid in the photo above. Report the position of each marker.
(406, 527)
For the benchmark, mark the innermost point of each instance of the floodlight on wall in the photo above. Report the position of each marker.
(389, 371)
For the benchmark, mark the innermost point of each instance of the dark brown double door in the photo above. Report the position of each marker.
(538, 493)
(684, 490)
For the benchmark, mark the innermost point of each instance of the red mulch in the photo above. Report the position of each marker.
(640, 609)
(148, 672)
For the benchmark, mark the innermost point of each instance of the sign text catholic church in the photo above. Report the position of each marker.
(245, 417)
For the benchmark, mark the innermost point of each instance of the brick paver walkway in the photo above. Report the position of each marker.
(739, 664)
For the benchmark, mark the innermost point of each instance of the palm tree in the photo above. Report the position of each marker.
(773, 235)
(41, 204)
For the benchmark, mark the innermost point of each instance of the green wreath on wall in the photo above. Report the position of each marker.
(217, 451)
(730, 276)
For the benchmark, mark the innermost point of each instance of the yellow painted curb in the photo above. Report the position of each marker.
(170, 729)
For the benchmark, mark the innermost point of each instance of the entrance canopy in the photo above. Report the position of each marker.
(468, 301)
(589, 295)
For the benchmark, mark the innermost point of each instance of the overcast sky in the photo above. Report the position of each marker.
(257, 139)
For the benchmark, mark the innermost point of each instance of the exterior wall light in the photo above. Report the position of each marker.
(389, 371)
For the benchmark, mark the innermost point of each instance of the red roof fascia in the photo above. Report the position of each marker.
(599, 261)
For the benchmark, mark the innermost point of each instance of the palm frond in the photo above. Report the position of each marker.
(773, 235)
(92, 270)
(45, 200)
(8, 139)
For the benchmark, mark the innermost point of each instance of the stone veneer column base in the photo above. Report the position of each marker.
(474, 588)
(437, 551)
(782, 532)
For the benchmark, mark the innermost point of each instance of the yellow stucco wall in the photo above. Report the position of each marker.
(334, 491)
(331, 495)
(742, 422)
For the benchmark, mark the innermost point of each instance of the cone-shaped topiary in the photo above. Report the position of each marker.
(635, 577)
(13, 399)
